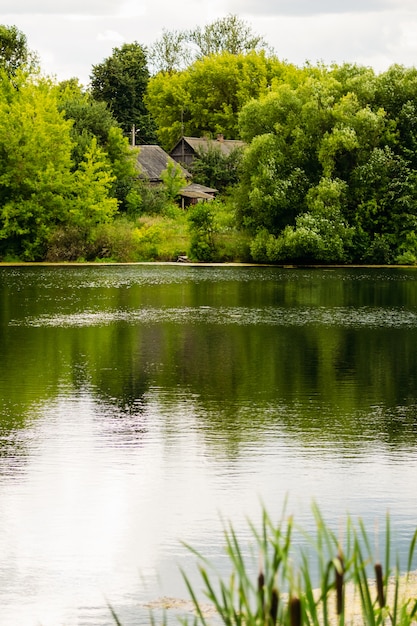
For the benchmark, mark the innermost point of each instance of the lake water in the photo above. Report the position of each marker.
(142, 406)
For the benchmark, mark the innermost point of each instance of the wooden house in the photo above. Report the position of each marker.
(153, 160)
(188, 148)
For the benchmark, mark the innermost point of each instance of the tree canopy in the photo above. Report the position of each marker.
(14, 52)
(206, 98)
(39, 189)
(177, 49)
(328, 175)
(121, 81)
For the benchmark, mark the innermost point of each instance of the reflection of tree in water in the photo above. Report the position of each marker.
(242, 382)
(122, 424)
(246, 383)
(14, 451)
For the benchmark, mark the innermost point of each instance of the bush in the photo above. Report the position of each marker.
(68, 243)
(201, 226)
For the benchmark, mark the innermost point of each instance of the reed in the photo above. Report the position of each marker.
(285, 591)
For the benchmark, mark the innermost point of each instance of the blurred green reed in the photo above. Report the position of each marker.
(285, 592)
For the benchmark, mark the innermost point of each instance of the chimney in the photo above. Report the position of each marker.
(220, 137)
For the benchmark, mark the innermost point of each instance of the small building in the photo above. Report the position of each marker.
(188, 148)
(194, 193)
(153, 160)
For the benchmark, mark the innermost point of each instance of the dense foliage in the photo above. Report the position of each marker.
(14, 52)
(206, 98)
(39, 189)
(328, 174)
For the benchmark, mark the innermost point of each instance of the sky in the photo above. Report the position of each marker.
(70, 36)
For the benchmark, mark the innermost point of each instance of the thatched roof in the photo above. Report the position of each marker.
(152, 161)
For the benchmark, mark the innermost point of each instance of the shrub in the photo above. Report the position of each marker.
(201, 225)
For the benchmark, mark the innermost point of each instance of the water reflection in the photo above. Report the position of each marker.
(140, 406)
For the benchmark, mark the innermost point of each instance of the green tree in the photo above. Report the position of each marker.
(201, 226)
(14, 53)
(167, 100)
(272, 187)
(121, 81)
(171, 52)
(91, 202)
(39, 189)
(214, 169)
(385, 196)
(320, 234)
(176, 50)
(94, 120)
(35, 165)
(303, 135)
(206, 98)
(173, 180)
(228, 34)
(90, 118)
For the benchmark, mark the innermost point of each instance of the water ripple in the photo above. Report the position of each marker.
(358, 317)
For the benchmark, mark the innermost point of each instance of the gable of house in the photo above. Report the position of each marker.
(188, 148)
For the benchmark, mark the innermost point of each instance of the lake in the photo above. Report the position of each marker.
(144, 406)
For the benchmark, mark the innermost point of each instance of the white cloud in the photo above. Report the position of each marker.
(306, 7)
(377, 42)
(60, 7)
(318, 7)
(111, 35)
(73, 35)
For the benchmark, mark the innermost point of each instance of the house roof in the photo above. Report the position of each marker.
(153, 160)
(199, 144)
(194, 190)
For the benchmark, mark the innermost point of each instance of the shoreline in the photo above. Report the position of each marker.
(193, 264)
(353, 613)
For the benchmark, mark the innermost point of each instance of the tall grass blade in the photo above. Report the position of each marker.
(411, 552)
(114, 616)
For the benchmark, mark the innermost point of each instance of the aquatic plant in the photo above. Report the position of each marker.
(327, 582)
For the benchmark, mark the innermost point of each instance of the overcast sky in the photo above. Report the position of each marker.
(72, 35)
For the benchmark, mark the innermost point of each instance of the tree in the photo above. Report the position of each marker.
(121, 81)
(35, 165)
(171, 52)
(214, 169)
(206, 98)
(14, 53)
(176, 50)
(228, 34)
(167, 100)
(384, 193)
(320, 234)
(173, 180)
(91, 202)
(94, 120)
(201, 227)
(90, 118)
(39, 189)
